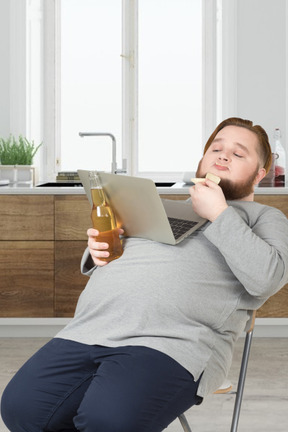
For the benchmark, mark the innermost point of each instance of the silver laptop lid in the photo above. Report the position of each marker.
(138, 206)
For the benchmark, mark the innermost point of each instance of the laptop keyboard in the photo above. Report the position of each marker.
(180, 226)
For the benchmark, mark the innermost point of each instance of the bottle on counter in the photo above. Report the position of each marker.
(280, 160)
(103, 219)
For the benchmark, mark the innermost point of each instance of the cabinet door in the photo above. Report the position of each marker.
(277, 305)
(26, 217)
(69, 282)
(27, 279)
(72, 217)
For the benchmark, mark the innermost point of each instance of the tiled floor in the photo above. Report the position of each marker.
(265, 403)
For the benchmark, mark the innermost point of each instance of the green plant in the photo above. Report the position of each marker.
(17, 152)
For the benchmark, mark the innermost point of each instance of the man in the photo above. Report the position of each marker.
(154, 330)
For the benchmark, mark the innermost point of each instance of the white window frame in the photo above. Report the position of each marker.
(26, 72)
(52, 93)
(227, 59)
(18, 67)
(52, 120)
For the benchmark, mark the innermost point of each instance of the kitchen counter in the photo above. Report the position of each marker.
(177, 189)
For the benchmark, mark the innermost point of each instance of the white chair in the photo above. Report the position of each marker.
(241, 380)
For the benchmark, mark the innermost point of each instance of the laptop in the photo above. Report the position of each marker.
(140, 210)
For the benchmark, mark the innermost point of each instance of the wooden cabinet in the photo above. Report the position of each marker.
(26, 256)
(26, 217)
(277, 305)
(42, 239)
(69, 281)
(27, 279)
(72, 219)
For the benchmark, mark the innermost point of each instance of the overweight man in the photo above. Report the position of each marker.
(154, 331)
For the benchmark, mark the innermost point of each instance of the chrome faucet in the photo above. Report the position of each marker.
(113, 163)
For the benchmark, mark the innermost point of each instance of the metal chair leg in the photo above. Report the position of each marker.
(241, 382)
(184, 423)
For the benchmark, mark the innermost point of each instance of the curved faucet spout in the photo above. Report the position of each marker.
(113, 163)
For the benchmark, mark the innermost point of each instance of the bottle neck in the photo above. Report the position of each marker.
(94, 179)
(97, 192)
(98, 196)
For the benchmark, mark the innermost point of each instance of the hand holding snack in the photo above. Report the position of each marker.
(208, 200)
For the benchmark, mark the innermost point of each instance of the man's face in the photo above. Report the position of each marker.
(233, 157)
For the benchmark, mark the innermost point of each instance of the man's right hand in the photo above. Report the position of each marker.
(98, 249)
(208, 200)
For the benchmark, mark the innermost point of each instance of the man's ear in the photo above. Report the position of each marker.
(261, 174)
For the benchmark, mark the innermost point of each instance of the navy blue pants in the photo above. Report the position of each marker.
(68, 386)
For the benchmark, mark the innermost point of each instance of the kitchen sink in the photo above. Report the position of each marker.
(79, 184)
(60, 184)
(164, 184)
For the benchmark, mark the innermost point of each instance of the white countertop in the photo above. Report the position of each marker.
(177, 189)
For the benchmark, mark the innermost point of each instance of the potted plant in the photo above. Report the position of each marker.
(16, 159)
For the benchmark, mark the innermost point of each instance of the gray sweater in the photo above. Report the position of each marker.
(189, 301)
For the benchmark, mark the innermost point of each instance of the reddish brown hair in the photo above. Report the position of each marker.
(264, 148)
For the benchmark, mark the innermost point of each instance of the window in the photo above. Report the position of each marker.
(90, 82)
(169, 85)
(133, 69)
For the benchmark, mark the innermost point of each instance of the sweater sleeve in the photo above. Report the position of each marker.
(87, 265)
(255, 250)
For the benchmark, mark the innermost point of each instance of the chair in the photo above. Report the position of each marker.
(241, 379)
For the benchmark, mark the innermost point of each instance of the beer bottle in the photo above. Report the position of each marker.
(103, 219)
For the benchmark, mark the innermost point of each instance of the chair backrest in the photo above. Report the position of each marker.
(251, 322)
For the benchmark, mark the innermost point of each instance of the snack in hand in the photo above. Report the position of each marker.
(209, 176)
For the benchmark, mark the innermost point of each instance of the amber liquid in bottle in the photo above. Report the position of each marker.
(104, 220)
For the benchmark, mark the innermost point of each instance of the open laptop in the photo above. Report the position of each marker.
(140, 210)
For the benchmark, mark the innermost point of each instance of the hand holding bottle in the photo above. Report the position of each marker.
(99, 250)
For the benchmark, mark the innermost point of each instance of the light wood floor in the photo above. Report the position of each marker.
(265, 403)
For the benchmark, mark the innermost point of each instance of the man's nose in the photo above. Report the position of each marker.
(223, 156)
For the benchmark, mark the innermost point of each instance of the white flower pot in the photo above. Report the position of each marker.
(19, 174)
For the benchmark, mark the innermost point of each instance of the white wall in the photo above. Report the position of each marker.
(261, 63)
(4, 69)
